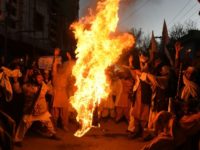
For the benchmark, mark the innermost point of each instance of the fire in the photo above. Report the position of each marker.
(98, 46)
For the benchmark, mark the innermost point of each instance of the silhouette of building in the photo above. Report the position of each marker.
(35, 27)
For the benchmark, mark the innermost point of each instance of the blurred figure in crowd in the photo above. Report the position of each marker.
(63, 85)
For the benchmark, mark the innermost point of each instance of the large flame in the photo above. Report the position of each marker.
(98, 46)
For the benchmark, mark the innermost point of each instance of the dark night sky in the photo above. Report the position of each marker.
(149, 14)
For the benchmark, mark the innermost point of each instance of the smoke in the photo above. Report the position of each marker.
(85, 5)
(127, 2)
(156, 1)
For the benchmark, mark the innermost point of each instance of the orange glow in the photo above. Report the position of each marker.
(98, 47)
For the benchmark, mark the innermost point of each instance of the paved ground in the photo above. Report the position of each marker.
(110, 136)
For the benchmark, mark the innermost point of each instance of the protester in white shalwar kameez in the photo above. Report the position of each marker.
(63, 87)
(140, 110)
(35, 108)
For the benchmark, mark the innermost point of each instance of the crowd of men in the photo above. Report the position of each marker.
(159, 102)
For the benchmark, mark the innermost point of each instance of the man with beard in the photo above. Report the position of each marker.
(141, 106)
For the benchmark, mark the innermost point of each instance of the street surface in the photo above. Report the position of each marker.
(110, 136)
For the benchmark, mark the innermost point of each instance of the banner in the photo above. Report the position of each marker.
(46, 62)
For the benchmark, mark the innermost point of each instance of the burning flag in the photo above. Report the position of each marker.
(98, 47)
